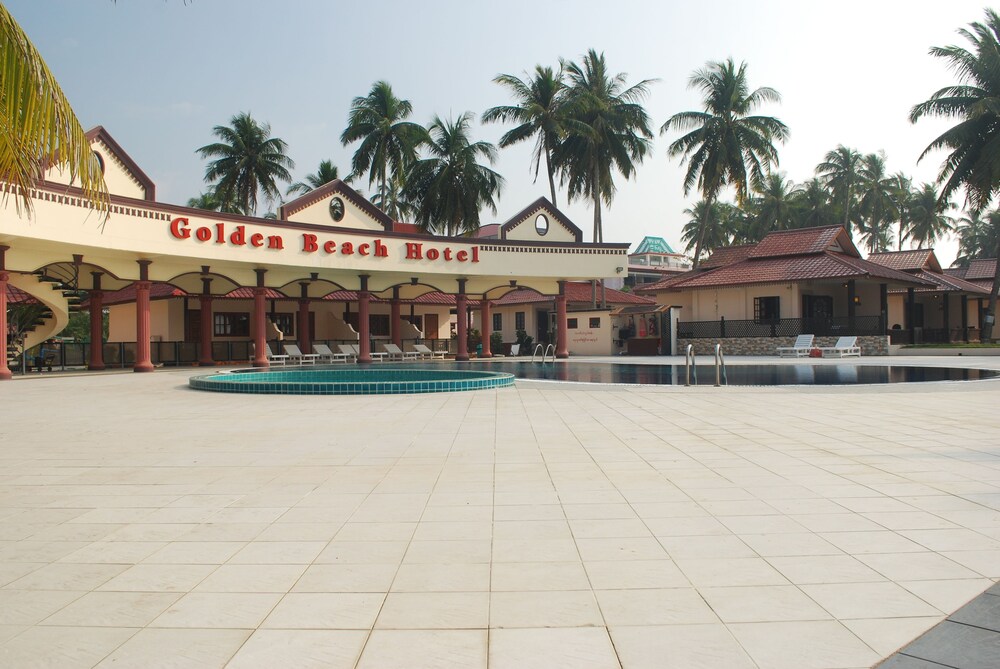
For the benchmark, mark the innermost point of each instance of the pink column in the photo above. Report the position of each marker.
(364, 332)
(562, 350)
(96, 362)
(205, 358)
(461, 314)
(260, 327)
(142, 359)
(5, 374)
(394, 329)
(304, 343)
(487, 328)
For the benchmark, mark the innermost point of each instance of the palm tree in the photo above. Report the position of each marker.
(877, 203)
(926, 216)
(538, 113)
(206, 200)
(978, 237)
(902, 195)
(607, 130)
(396, 206)
(972, 142)
(38, 125)
(840, 170)
(811, 206)
(450, 187)
(388, 141)
(727, 144)
(711, 226)
(247, 161)
(326, 173)
(774, 206)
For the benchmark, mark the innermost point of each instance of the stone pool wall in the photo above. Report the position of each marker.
(870, 345)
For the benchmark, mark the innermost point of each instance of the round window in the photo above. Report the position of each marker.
(100, 161)
(541, 224)
(337, 209)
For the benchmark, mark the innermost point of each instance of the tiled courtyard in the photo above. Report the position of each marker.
(143, 524)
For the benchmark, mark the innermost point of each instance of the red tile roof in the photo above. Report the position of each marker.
(17, 296)
(983, 268)
(157, 291)
(727, 255)
(912, 260)
(804, 241)
(577, 292)
(246, 293)
(946, 283)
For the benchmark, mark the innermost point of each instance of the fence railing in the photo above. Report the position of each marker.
(783, 327)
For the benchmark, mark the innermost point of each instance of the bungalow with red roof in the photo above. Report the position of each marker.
(949, 310)
(755, 297)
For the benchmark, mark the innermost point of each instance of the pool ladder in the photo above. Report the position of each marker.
(545, 353)
(691, 368)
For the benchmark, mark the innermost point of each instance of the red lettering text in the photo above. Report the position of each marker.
(363, 249)
(220, 233)
(179, 229)
(413, 251)
(380, 250)
(256, 239)
(462, 256)
(309, 244)
(275, 242)
(433, 254)
(330, 247)
(203, 234)
(447, 253)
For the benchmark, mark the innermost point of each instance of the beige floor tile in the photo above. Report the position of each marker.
(443, 552)
(768, 545)
(544, 609)
(195, 552)
(986, 563)
(302, 649)
(553, 648)
(824, 569)
(615, 528)
(667, 606)
(762, 604)
(227, 610)
(62, 647)
(452, 531)
(686, 527)
(434, 610)
(425, 649)
(950, 595)
(362, 552)
(251, 578)
(709, 646)
(887, 635)
(706, 547)
(635, 574)
(534, 550)
(64, 576)
(278, 552)
(28, 607)
(531, 576)
(730, 571)
(346, 578)
(803, 645)
(159, 578)
(376, 531)
(858, 543)
(868, 600)
(635, 548)
(116, 552)
(177, 649)
(299, 532)
(517, 512)
(442, 578)
(325, 611)
(916, 566)
(531, 529)
(113, 609)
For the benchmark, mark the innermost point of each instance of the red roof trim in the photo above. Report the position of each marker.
(100, 133)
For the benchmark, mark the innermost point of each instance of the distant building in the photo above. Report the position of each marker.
(652, 261)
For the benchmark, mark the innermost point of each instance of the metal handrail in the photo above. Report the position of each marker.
(720, 366)
(547, 349)
(689, 366)
(538, 347)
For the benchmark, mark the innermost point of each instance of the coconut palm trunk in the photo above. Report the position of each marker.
(701, 232)
(991, 309)
(552, 172)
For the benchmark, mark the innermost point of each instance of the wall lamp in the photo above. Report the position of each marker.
(619, 270)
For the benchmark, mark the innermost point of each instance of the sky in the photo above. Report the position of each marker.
(160, 74)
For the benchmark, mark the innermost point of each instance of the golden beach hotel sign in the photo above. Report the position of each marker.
(219, 234)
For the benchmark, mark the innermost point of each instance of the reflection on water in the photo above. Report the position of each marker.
(739, 375)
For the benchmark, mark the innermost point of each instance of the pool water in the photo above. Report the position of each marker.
(738, 375)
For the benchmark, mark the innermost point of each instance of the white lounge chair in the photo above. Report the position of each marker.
(326, 355)
(396, 353)
(377, 356)
(800, 349)
(350, 355)
(428, 353)
(279, 359)
(296, 355)
(845, 347)
(515, 350)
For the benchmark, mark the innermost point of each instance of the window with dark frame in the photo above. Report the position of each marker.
(284, 322)
(595, 323)
(231, 324)
(766, 309)
(571, 324)
(497, 322)
(379, 325)
(518, 320)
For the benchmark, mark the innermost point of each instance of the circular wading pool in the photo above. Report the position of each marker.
(357, 381)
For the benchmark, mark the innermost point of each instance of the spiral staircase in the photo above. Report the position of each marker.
(53, 288)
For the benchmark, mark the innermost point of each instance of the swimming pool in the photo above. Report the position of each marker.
(380, 380)
(738, 375)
